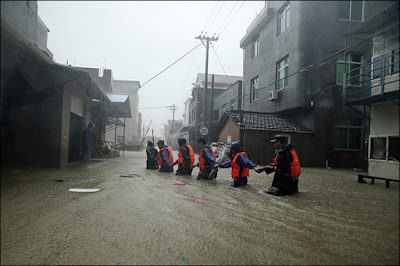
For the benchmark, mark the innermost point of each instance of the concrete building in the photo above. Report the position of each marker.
(293, 63)
(374, 86)
(45, 107)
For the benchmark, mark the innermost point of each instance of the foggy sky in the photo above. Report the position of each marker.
(138, 39)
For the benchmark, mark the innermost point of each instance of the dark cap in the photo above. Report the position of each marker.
(160, 142)
(280, 138)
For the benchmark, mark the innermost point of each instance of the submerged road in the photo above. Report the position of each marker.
(161, 218)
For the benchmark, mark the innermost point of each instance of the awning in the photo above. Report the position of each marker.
(119, 106)
(48, 78)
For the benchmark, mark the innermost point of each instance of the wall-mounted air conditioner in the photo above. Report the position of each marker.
(273, 95)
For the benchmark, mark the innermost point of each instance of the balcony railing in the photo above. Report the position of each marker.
(376, 78)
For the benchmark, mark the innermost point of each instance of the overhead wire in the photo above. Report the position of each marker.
(226, 17)
(210, 16)
(219, 10)
(176, 61)
(231, 19)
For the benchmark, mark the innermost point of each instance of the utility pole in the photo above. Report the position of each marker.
(208, 39)
(211, 106)
(173, 109)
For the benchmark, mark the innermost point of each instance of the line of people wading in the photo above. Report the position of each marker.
(285, 165)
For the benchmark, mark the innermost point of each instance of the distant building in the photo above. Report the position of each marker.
(221, 83)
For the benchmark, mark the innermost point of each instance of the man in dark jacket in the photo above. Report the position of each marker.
(286, 166)
(151, 156)
(185, 158)
(88, 136)
(206, 160)
(240, 164)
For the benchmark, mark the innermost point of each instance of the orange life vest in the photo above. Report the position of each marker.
(160, 160)
(294, 166)
(236, 168)
(191, 153)
(202, 162)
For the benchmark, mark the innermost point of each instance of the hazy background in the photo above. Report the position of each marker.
(138, 39)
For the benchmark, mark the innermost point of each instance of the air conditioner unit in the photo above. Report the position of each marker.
(273, 95)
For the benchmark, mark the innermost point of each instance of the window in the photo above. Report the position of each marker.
(255, 47)
(391, 64)
(348, 133)
(233, 104)
(351, 10)
(283, 18)
(254, 89)
(385, 148)
(346, 63)
(282, 73)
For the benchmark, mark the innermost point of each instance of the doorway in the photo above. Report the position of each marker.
(75, 152)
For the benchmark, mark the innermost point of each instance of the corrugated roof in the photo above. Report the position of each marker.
(117, 98)
(268, 121)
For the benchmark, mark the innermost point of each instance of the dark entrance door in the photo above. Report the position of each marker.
(75, 138)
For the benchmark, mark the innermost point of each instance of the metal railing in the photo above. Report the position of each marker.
(375, 78)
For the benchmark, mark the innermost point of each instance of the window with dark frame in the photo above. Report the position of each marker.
(283, 18)
(254, 89)
(255, 47)
(351, 10)
(349, 63)
(282, 73)
(348, 133)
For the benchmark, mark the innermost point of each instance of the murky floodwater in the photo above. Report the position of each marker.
(151, 219)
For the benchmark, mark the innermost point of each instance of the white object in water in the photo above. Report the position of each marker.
(84, 189)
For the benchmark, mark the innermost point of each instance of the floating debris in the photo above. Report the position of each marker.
(84, 189)
(184, 258)
(120, 173)
(179, 184)
(194, 199)
(59, 180)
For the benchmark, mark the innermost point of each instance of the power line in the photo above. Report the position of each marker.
(210, 16)
(215, 17)
(164, 69)
(231, 18)
(212, 46)
(226, 17)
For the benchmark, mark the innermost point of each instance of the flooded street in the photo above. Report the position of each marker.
(161, 218)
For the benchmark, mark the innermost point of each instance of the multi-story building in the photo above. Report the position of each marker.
(294, 60)
(374, 85)
(44, 106)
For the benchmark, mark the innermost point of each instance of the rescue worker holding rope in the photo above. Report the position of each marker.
(165, 158)
(240, 165)
(206, 160)
(185, 158)
(286, 166)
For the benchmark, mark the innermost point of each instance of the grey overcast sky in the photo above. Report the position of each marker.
(138, 39)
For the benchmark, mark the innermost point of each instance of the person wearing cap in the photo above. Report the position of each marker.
(185, 158)
(240, 165)
(152, 154)
(165, 158)
(88, 142)
(206, 160)
(286, 166)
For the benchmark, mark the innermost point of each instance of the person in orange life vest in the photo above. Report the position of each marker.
(240, 164)
(165, 158)
(286, 167)
(185, 158)
(206, 160)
